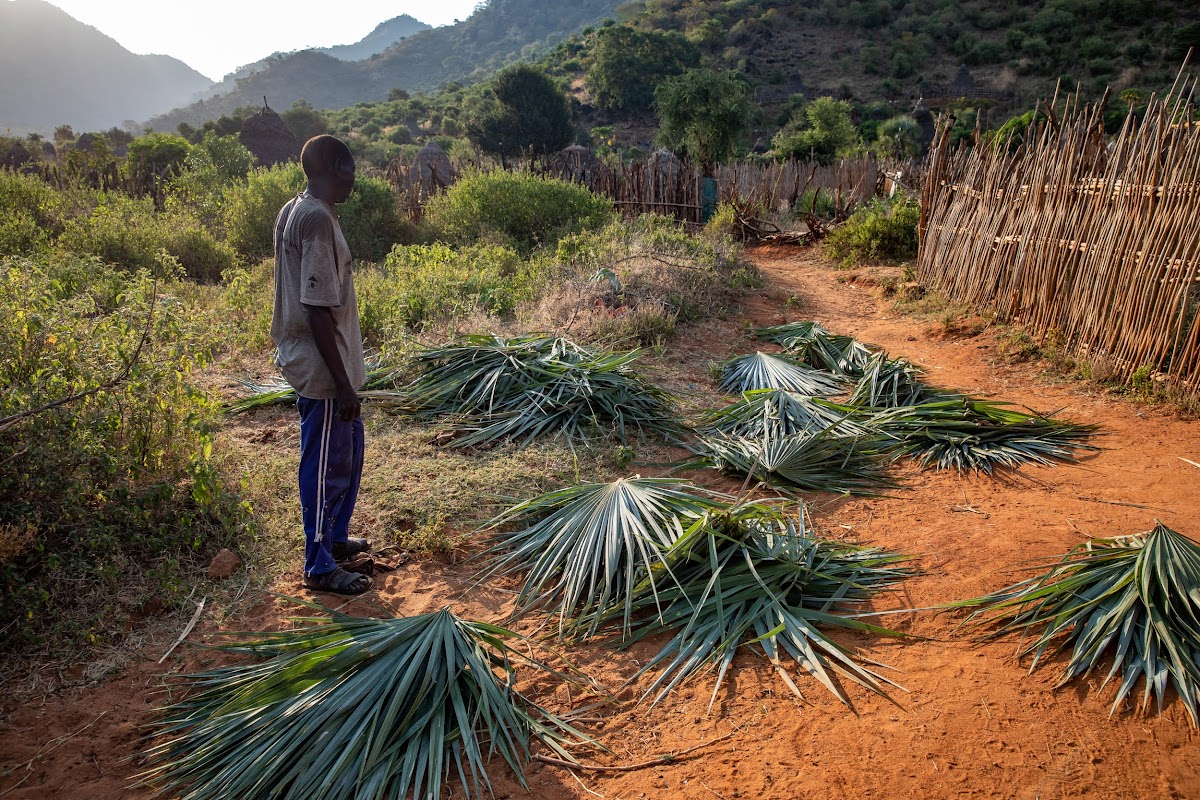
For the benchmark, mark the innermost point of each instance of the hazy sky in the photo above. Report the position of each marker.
(216, 37)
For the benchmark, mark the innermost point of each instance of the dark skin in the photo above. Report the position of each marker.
(333, 187)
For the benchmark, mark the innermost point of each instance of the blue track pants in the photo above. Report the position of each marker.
(331, 463)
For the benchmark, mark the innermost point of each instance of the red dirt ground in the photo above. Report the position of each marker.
(972, 724)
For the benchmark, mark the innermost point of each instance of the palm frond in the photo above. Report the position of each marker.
(775, 413)
(585, 548)
(793, 335)
(888, 383)
(524, 388)
(965, 434)
(1134, 599)
(824, 461)
(352, 708)
(764, 371)
(752, 576)
(276, 392)
(817, 347)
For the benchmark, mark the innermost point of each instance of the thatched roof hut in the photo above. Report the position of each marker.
(15, 156)
(267, 136)
(432, 168)
(575, 162)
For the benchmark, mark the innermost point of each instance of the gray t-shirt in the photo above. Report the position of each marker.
(312, 267)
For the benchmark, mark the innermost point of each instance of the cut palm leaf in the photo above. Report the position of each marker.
(585, 548)
(752, 576)
(890, 382)
(965, 434)
(352, 708)
(525, 388)
(793, 336)
(774, 413)
(1133, 599)
(816, 462)
(817, 347)
(380, 378)
(764, 371)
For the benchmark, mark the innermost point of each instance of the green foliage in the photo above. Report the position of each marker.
(31, 213)
(519, 209)
(422, 284)
(703, 113)
(528, 111)
(158, 154)
(898, 138)
(879, 231)
(371, 220)
(211, 167)
(250, 208)
(114, 490)
(627, 64)
(823, 133)
(304, 121)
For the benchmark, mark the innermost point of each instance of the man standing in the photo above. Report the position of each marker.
(315, 328)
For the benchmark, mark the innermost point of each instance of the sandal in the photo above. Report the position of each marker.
(349, 548)
(338, 581)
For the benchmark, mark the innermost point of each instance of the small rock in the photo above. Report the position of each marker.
(224, 565)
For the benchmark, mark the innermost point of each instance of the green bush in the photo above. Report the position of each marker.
(423, 284)
(371, 220)
(250, 208)
(113, 491)
(877, 232)
(520, 209)
(30, 213)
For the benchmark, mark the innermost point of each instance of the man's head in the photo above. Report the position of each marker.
(329, 165)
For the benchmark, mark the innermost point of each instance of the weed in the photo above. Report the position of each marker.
(880, 231)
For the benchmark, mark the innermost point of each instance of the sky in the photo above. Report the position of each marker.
(215, 37)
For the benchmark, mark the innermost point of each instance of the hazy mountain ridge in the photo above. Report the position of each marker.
(58, 70)
(497, 33)
(385, 35)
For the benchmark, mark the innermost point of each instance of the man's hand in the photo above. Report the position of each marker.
(348, 404)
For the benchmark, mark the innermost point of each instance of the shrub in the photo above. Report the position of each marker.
(879, 231)
(520, 209)
(251, 208)
(371, 220)
(30, 213)
(115, 491)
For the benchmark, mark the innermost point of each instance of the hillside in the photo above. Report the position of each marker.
(384, 36)
(58, 70)
(499, 32)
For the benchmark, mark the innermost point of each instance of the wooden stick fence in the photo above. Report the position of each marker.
(1092, 241)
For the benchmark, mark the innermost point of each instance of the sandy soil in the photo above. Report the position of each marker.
(972, 723)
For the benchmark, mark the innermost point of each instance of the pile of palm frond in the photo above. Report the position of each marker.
(352, 708)
(380, 379)
(585, 548)
(765, 371)
(824, 461)
(1135, 598)
(966, 434)
(817, 347)
(526, 387)
(750, 575)
(774, 413)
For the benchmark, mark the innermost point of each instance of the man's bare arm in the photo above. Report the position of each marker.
(320, 320)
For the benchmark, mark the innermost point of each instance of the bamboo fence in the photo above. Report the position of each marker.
(1076, 236)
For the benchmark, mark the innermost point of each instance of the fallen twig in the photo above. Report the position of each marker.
(1189, 461)
(669, 758)
(187, 630)
(1117, 503)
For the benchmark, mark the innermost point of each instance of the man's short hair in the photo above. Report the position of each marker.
(326, 155)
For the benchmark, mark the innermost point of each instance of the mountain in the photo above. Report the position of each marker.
(384, 36)
(500, 32)
(57, 70)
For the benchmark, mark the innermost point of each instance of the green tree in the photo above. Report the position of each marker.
(823, 132)
(628, 64)
(158, 153)
(702, 113)
(526, 111)
(305, 121)
(898, 137)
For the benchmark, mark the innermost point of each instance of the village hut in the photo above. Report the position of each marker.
(575, 163)
(15, 157)
(268, 137)
(432, 169)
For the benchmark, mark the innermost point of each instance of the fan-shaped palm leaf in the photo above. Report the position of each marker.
(817, 347)
(792, 336)
(888, 383)
(965, 434)
(524, 388)
(352, 708)
(585, 547)
(817, 462)
(1136, 599)
(750, 575)
(765, 371)
(774, 413)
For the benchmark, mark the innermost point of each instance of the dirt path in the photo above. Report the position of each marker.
(972, 722)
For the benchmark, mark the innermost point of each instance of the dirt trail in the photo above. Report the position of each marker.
(972, 722)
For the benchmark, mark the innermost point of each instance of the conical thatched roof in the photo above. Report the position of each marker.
(432, 168)
(15, 156)
(267, 136)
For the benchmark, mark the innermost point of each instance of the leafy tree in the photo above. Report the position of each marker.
(305, 121)
(898, 137)
(64, 134)
(628, 64)
(527, 110)
(702, 114)
(822, 133)
(158, 153)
